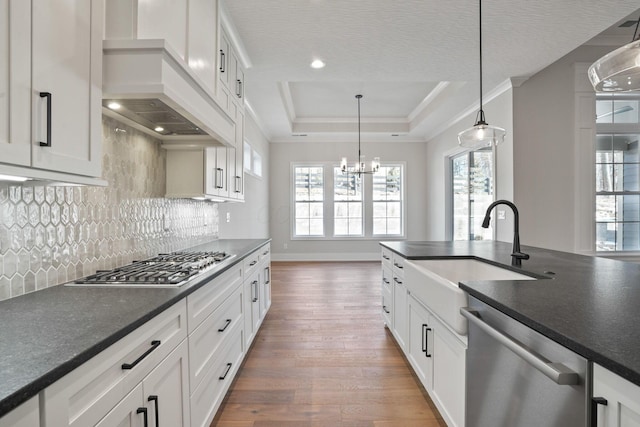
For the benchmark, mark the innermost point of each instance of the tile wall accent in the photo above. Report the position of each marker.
(52, 234)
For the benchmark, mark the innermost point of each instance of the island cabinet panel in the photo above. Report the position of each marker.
(25, 415)
(616, 401)
(87, 394)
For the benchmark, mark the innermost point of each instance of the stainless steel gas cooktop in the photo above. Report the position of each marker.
(164, 270)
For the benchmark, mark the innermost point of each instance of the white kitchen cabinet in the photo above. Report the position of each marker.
(236, 158)
(87, 394)
(257, 290)
(161, 399)
(202, 40)
(265, 281)
(15, 84)
(622, 408)
(435, 351)
(25, 415)
(399, 312)
(201, 172)
(420, 345)
(50, 124)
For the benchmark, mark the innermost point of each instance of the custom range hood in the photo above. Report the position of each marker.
(147, 85)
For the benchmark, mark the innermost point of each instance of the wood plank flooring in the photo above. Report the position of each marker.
(324, 358)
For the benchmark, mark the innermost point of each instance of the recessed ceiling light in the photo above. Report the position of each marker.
(317, 63)
(114, 105)
(159, 129)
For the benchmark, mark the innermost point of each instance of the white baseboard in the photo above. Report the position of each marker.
(349, 256)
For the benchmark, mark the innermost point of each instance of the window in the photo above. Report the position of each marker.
(472, 193)
(331, 205)
(347, 204)
(387, 201)
(617, 210)
(309, 201)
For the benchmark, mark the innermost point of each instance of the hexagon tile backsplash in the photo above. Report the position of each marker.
(51, 235)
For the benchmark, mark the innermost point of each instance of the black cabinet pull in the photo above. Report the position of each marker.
(154, 345)
(238, 184)
(426, 341)
(226, 325)
(424, 338)
(255, 285)
(385, 257)
(219, 174)
(267, 275)
(399, 282)
(223, 62)
(48, 96)
(384, 308)
(594, 409)
(143, 411)
(225, 372)
(154, 399)
(239, 88)
(252, 263)
(385, 280)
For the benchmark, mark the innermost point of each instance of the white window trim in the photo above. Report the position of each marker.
(329, 205)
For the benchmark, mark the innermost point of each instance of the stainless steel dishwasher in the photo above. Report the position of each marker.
(517, 377)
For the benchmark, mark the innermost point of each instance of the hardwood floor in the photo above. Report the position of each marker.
(324, 358)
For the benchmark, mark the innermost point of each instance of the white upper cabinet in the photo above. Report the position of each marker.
(202, 37)
(67, 94)
(50, 89)
(15, 95)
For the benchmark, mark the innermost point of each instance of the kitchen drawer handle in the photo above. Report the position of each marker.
(143, 411)
(256, 290)
(385, 280)
(154, 345)
(384, 308)
(239, 88)
(399, 282)
(425, 339)
(48, 96)
(267, 275)
(225, 372)
(557, 372)
(594, 409)
(386, 257)
(252, 263)
(223, 62)
(238, 184)
(154, 399)
(398, 265)
(226, 325)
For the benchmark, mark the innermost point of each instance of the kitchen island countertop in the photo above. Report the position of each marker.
(48, 333)
(590, 305)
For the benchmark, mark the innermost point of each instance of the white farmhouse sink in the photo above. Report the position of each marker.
(435, 283)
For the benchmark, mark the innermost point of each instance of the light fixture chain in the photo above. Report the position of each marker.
(480, 39)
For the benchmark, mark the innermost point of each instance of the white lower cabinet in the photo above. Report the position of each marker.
(89, 393)
(435, 351)
(25, 415)
(257, 290)
(161, 399)
(617, 400)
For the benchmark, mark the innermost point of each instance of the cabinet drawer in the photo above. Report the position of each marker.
(387, 257)
(250, 263)
(398, 266)
(208, 396)
(211, 335)
(265, 251)
(208, 298)
(82, 397)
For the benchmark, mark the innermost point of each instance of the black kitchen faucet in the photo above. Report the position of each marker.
(516, 256)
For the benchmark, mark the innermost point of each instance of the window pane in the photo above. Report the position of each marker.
(630, 236)
(341, 226)
(341, 210)
(355, 226)
(472, 182)
(309, 196)
(347, 193)
(627, 208)
(605, 208)
(604, 111)
(625, 111)
(606, 236)
(387, 200)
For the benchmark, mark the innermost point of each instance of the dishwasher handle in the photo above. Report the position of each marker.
(557, 372)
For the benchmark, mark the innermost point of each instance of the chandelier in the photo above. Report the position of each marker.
(359, 168)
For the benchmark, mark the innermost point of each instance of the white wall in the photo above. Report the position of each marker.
(545, 154)
(250, 219)
(283, 154)
(439, 149)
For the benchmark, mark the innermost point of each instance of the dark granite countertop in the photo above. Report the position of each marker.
(48, 333)
(591, 305)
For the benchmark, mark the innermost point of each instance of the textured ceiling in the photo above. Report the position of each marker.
(415, 61)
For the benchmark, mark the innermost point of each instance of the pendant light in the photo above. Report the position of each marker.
(481, 134)
(618, 71)
(359, 167)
